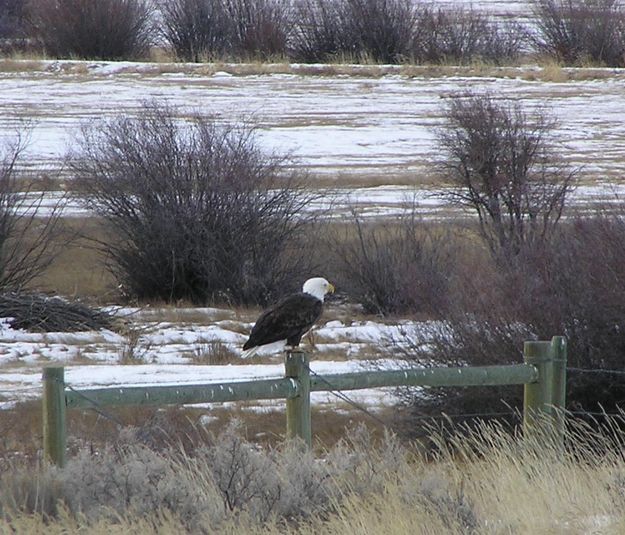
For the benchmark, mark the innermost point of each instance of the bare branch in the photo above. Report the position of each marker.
(198, 211)
(27, 237)
(499, 163)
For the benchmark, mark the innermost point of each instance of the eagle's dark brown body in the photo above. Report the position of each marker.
(289, 319)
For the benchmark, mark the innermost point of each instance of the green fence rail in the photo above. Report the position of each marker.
(543, 373)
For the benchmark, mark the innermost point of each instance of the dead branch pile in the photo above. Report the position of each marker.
(41, 313)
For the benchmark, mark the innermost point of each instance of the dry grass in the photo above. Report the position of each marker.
(544, 70)
(353, 177)
(214, 353)
(487, 481)
(22, 437)
(37, 181)
(79, 270)
(539, 69)
(20, 65)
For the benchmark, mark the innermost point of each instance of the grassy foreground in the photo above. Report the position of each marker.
(486, 481)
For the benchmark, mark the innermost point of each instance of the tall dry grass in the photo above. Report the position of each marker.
(484, 481)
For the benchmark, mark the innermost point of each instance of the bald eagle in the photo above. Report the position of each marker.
(290, 318)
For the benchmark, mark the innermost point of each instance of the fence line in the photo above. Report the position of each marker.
(543, 375)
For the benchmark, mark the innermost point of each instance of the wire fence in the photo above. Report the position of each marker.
(97, 407)
(595, 370)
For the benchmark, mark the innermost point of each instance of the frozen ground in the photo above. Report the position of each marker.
(351, 131)
(376, 201)
(175, 352)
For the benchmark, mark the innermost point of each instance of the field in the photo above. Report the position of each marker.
(365, 134)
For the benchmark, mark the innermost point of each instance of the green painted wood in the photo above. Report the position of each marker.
(298, 416)
(559, 348)
(54, 433)
(182, 394)
(515, 374)
(538, 396)
(286, 388)
(537, 374)
(559, 351)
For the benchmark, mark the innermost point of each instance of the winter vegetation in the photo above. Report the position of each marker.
(203, 198)
(312, 31)
(168, 168)
(483, 482)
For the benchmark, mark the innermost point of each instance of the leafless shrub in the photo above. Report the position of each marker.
(136, 346)
(572, 286)
(393, 31)
(378, 29)
(394, 267)
(361, 30)
(196, 29)
(106, 29)
(583, 297)
(246, 478)
(317, 33)
(504, 42)
(501, 164)
(13, 25)
(198, 211)
(27, 236)
(574, 31)
(460, 35)
(10, 13)
(261, 27)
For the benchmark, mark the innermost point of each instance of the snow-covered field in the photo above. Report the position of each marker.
(173, 352)
(363, 134)
(332, 125)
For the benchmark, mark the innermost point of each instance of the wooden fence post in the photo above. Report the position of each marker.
(538, 397)
(54, 415)
(298, 420)
(559, 353)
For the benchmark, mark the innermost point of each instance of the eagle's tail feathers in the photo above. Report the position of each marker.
(250, 352)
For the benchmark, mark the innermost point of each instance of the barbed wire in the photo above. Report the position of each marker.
(97, 407)
(341, 395)
(445, 416)
(333, 390)
(595, 370)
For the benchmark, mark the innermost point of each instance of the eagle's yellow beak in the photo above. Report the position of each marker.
(331, 288)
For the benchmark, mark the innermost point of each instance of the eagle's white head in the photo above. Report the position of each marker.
(318, 287)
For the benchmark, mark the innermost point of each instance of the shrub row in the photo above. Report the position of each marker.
(574, 287)
(388, 31)
(474, 481)
(582, 31)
